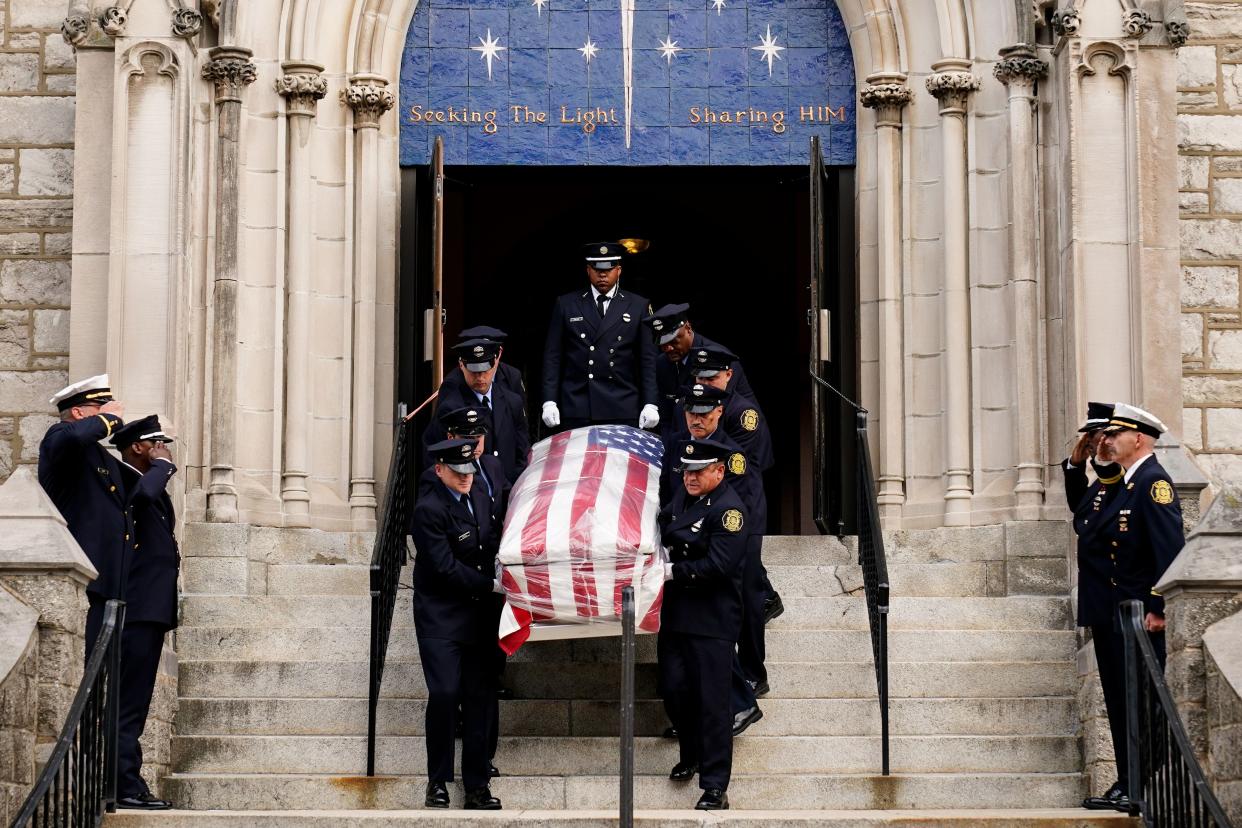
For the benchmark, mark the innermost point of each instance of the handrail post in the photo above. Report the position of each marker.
(627, 708)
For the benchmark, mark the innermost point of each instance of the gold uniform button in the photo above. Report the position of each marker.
(127, 536)
(112, 488)
(1114, 543)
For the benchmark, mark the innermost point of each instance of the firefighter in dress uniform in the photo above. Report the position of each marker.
(84, 481)
(456, 615)
(1123, 549)
(150, 595)
(704, 529)
(598, 366)
(1089, 448)
(507, 376)
(476, 386)
(744, 424)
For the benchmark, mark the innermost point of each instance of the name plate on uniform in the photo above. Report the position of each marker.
(670, 82)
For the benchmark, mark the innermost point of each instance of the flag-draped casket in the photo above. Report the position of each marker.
(581, 526)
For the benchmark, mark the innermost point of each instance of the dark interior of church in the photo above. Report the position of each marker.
(732, 242)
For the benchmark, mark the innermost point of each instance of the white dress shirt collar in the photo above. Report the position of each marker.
(1130, 471)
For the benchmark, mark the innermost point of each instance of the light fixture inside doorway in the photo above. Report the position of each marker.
(634, 245)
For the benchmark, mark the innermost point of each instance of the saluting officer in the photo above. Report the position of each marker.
(675, 336)
(507, 376)
(1123, 550)
(456, 615)
(704, 529)
(703, 407)
(150, 596)
(1107, 473)
(745, 425)
(598, 367)
(85, 483)
(509, 437)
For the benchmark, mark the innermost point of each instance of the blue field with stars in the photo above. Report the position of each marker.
(627, 82)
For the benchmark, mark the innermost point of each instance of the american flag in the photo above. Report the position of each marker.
(581, 526)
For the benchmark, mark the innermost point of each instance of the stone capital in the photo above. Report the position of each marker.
(231, 70)
(302, 86)
(1019, 65)
(887, 99)
(369, 97)
(952, 88)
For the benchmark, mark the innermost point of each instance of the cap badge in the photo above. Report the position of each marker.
(732, 520)
(478, 350)
(689, 449)
(657, 324)
(698, 391)
(1162, 492)
(603, 249)
(471, 416)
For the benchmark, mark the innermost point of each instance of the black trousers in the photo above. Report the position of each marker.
(1110, 656)
(94, 621)
(695, 674)
(751, 649)
(459, 673)
(141, 643)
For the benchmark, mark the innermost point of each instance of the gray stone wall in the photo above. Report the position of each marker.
(1223, 657)
(36, 181)
(19, 687)
(1210, 144)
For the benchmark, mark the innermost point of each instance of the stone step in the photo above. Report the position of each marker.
(734, 818)
(802, 792)
(821, 680)
(783, 645)
(553, 756)
(550, 717)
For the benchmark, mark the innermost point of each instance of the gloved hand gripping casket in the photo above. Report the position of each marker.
(581, 526)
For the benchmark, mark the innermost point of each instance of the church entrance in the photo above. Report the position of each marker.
(733, 242)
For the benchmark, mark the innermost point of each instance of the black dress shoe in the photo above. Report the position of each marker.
(772, 607)
(759, 688)
(745, 719)
(145, 801)
(1114, 799)
(670, 732)
(492, 770)
(437, 795)
(683, 772)
(713, 799)
(481, 799)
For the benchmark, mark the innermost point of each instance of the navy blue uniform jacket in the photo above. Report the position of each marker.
(85, 483)
(509, 438)
(599, 369)
(454, 566)
(672, 376)
(151, 591)
(495, 475)
(743, 476)
(706, 539)
(1126, 546)
(507, 377)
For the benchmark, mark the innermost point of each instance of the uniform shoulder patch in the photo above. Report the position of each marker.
(737, 463)
(750, 419)
(1162, 492)
(732, 520)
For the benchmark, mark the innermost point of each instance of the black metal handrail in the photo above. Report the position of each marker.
(1167, 785)
(628, 650)
(873, 562)
(78, 784)
(387, 558)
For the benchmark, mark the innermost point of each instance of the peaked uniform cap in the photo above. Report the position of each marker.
(457, 454)
(1136, 419)
(667, 321)
(477, 354)
(708, 362)
(94, 389)
(148, 428)
(1098, 415)
(700, 399)
(694, 455)
(603, 255)
(482, 332)
(468, 421)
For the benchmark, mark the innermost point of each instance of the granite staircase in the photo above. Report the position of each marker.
(273, 687)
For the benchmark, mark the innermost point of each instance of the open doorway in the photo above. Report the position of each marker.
(732, 242)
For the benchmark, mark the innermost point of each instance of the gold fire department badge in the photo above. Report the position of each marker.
(732, 520)
(1162, 492)
(750, 419)
(737, 463)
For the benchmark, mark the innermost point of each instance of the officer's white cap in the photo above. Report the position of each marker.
(1138, 419)
(96, 386)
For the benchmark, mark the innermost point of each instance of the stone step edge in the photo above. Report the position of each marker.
(639, 740)
(548, 664)
(663, 777)
(294, 699)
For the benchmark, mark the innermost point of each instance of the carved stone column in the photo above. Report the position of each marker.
(370, 98)
(1020, 70)
(888, 96)
(231, 70)
(952, 85)
(302, 86)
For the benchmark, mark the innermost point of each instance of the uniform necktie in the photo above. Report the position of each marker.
(487, 402)
(601, 300)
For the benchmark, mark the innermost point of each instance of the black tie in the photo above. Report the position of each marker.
(600, 300)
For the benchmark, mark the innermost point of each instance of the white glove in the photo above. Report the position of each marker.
(496, 587)
(551, 415)
(649, 417)
(668, 572)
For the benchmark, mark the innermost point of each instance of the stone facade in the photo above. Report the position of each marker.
(37, 81)
(1209, 110)
(1222, 644)
(19, 667)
